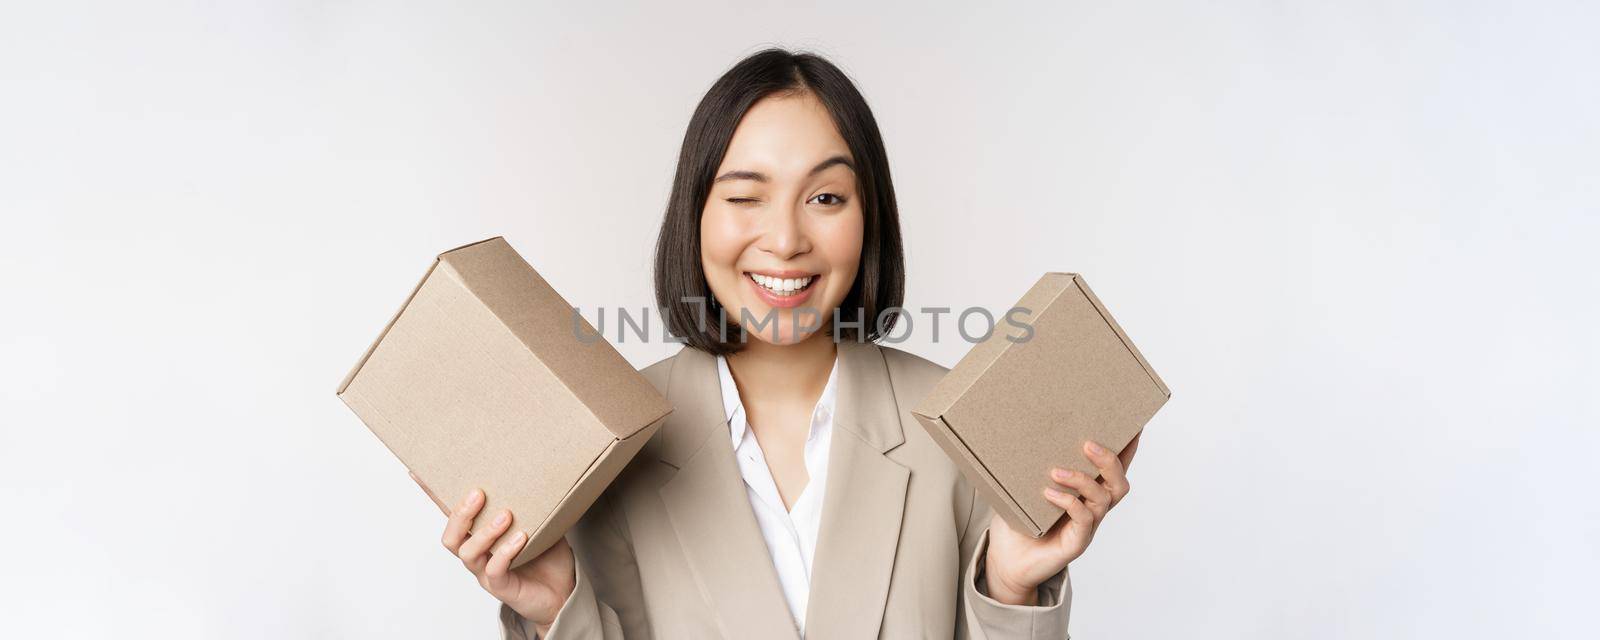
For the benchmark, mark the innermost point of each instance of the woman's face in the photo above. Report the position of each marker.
(780, 237)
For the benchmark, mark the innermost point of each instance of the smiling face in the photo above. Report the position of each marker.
(781, 232)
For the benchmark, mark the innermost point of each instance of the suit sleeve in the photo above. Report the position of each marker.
(606, 602)
(983, 618)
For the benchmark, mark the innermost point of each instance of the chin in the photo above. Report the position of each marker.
(787, 332)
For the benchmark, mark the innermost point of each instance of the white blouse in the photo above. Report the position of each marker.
(791, 535)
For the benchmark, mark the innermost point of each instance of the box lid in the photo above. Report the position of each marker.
(523, 303)
(982, 355)
(550, 328)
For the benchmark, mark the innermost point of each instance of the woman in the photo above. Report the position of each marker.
(790, 492)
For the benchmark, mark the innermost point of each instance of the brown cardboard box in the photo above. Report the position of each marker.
(1009, 411)
(481, 381)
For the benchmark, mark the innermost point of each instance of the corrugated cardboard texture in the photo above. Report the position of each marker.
(1008, 412)
(586, 491)
(533, 311)
(479, 381)
(983, 354)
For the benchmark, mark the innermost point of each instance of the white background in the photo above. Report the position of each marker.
(1357, 239)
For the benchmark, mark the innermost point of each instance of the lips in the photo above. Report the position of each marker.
(783, 290)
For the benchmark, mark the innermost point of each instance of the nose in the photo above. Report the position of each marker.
(783, 233)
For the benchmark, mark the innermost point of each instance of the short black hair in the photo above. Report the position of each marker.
(685, 300)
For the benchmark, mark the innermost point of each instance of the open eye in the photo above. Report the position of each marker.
(828, 199)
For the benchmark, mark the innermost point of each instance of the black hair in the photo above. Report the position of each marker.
(687, 305)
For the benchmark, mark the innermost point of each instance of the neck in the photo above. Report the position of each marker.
(794, 373)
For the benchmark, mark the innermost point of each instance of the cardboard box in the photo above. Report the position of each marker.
(481, 381)
(1012, 408)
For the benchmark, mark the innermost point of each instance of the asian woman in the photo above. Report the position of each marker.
(790, 493)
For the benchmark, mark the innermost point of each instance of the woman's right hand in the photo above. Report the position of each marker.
(535, 590)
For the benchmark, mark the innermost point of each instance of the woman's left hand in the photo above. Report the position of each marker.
(1018, 563)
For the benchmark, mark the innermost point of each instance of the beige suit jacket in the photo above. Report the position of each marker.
(672, 548)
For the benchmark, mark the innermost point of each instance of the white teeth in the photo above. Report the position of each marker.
(782, 285)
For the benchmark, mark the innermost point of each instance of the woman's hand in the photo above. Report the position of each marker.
(1017, 563)
(535, 590)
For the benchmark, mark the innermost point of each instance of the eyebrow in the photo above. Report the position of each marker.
(757, 176)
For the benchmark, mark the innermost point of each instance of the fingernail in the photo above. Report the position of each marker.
(512, 543)
(1095, 448)
(1052, 493)
(501, 519)
(1061, 474)
(477, 496)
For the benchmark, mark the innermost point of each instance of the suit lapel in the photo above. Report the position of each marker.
(864, 504)
(710, 512)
